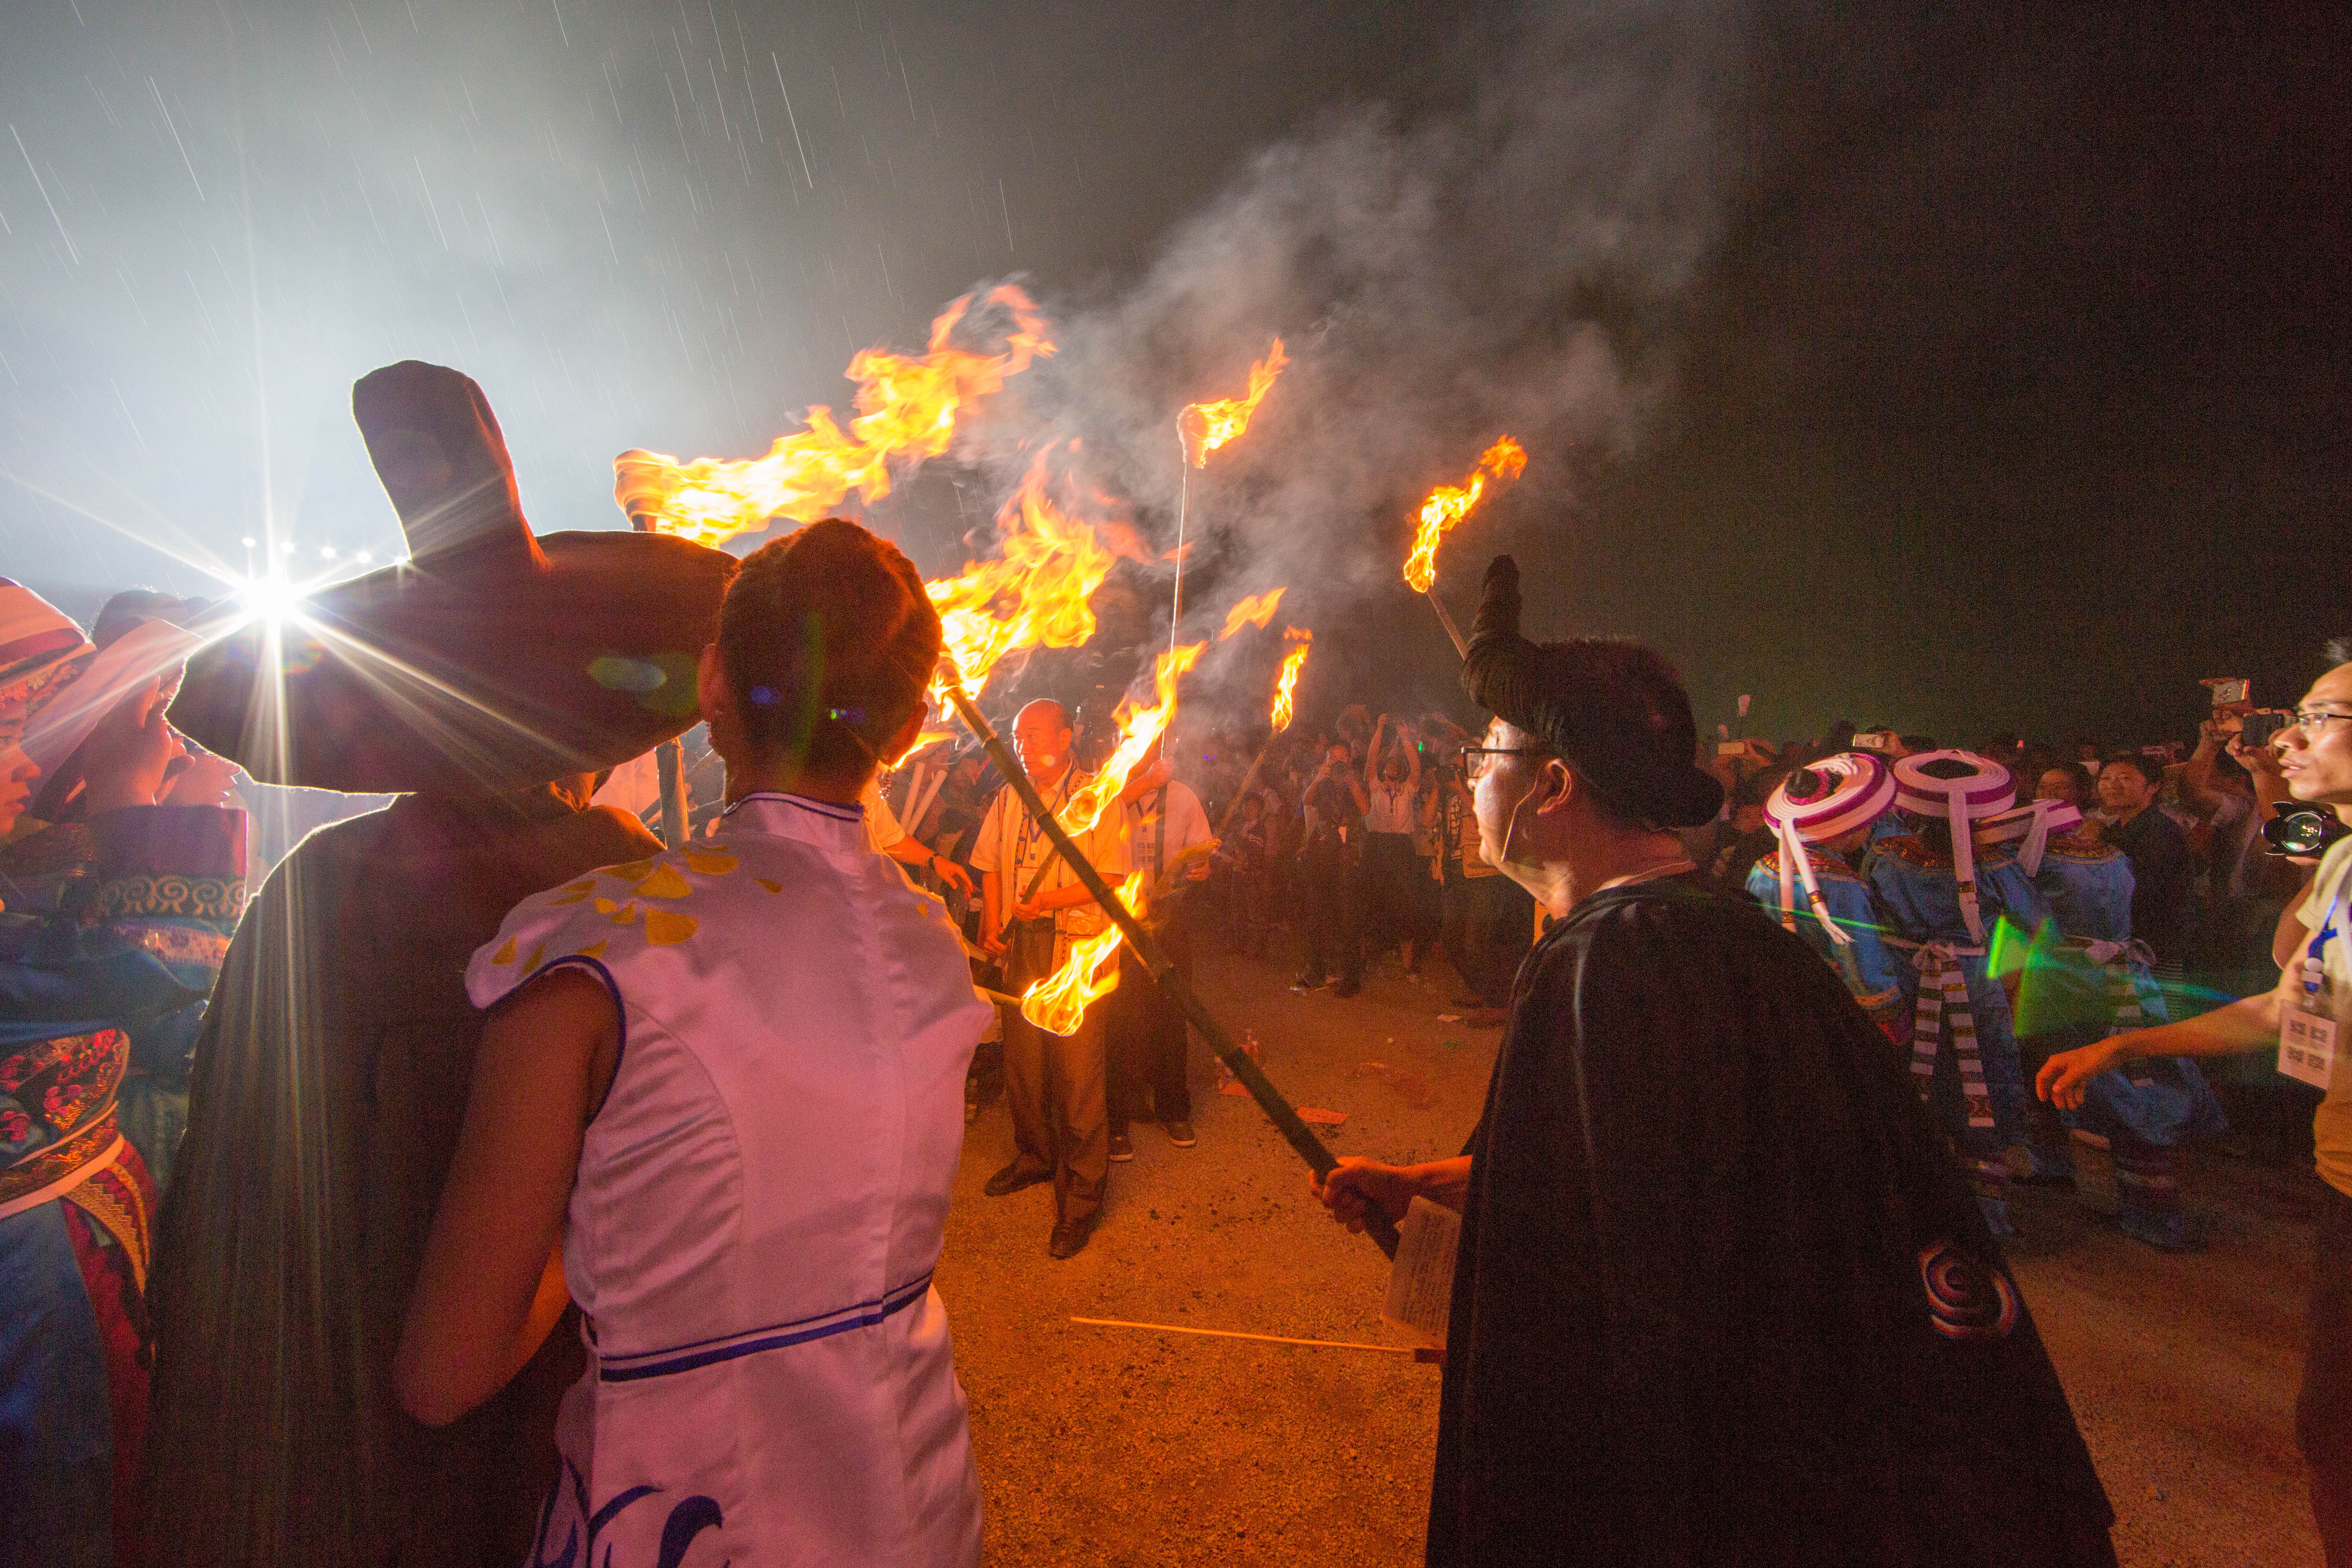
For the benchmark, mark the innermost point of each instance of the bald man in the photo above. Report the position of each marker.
(1056, 1085)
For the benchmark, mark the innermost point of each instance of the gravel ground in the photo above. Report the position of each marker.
(1119, 1446)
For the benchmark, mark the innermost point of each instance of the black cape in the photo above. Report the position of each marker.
(1723, 1296)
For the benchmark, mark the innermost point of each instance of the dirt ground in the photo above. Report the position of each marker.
(1125, 1447)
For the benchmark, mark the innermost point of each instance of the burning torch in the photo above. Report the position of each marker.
(1201, 429)
(1156, 963)
(1447, 505)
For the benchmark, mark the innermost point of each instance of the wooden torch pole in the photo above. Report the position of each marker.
(1280, 1111)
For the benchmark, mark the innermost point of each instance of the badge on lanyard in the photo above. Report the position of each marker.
(2307, 1035)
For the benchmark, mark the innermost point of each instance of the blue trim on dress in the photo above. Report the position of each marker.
(822, 807)
(778, 1337)
(620, 1013)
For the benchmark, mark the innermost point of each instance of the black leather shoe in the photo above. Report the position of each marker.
(1012, 1178)
(1070, 1237)
(1122, 1148)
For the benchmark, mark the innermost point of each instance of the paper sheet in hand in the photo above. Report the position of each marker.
(1421, 1285)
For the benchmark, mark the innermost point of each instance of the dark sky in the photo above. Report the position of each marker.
(1961, 368)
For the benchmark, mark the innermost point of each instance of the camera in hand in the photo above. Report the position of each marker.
(2260, 727)
(2302, 831)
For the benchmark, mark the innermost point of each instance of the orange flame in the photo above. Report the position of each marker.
(1448, 505)
(1140, 728)
(1292, 663)
(1060, 1002)
(907, 410)
(1250, 613)
(1206, 427)
(1034, 593)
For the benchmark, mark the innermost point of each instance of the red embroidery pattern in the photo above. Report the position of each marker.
(61, 1084)
(47, 1164)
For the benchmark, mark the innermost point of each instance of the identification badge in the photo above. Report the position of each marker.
(2307, 1047)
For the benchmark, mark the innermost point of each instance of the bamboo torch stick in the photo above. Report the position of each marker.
(1461, 646)
(1156, 963)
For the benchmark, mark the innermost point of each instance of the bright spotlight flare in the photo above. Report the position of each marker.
(1156, 963)
(1447, 505)
(907, 409)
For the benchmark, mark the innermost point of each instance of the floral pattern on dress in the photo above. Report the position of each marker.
(52, 1089)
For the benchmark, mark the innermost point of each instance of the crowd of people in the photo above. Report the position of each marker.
(502, 1180)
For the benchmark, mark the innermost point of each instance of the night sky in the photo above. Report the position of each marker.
(1958, 368)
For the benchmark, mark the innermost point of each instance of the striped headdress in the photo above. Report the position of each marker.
(1816, 804)
(41, 652)
(1979, 788)
(2033, 823)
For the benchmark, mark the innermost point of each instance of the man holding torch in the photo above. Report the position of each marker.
(1033, 907)
(1722, 1295)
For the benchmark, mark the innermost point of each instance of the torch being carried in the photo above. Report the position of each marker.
(1447, 505)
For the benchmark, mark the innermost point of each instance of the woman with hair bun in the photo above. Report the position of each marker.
(720, 1099)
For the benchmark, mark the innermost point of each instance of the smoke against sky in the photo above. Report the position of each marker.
(1839, 339)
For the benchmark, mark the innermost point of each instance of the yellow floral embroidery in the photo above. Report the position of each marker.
(664, 883)
(710, 863)
(594, 950)
(631, 871)
(627, 914)
(605, 906)
(536, 954)
(667, 928)
(505, 953)
(771, 887)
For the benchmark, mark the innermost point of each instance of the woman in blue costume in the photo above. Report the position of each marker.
(2085, 978)
(120, 890)
(1938, 899)
(1823, 815)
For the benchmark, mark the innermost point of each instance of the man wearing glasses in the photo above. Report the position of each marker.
(1722, 1294)
(2309, 1015)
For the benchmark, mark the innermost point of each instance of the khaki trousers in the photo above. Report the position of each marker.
(1055, 1086)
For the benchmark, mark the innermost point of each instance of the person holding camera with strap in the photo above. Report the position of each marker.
(1034, 907)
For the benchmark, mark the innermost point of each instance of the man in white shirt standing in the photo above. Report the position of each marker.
(1148, 1033)
(2309, 1015)
(1055, 1085)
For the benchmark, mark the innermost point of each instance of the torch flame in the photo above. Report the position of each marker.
(1250, 613)
(1206, 427)
(1449, 504)
(907, 410)
(1292, 663)
(1060, 1002)
(1034, 593)
(1140, 728)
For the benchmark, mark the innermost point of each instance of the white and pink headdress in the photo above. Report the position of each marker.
(1818, 802)
(2033, 823)
(1964, 800)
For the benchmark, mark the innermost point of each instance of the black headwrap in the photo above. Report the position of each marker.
(1614, 710)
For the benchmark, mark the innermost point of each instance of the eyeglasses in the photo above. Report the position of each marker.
(2306, 720)
(1475, 760)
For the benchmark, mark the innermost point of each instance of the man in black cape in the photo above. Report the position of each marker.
(1723, 1296)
